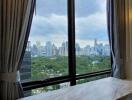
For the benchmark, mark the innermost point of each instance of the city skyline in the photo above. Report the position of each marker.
(82, 45)
(50, 49)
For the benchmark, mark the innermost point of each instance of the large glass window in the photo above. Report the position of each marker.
(92, 46)
(47, 53)
(64, 49)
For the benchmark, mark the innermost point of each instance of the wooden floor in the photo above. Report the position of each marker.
(103, 89)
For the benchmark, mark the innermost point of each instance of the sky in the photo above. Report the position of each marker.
(50, 22)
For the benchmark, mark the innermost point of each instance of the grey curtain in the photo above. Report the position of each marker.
(117, 36)
(15, 22)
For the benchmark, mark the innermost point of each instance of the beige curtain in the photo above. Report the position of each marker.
(128, 63)
(15, 22)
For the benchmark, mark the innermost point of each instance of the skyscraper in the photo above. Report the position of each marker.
(48, 48)
(54, 50)
(78, 49)
(34, 51)
(25, 71)
(63, 50)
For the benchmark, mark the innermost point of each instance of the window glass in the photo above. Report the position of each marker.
(92, 46)
(47, 50)
(46, 55)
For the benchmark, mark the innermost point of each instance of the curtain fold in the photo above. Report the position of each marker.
(128, 66)
(116, 14)
(15, 23)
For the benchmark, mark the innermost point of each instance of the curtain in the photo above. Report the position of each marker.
(116, 14)
(15, 22)
(128, 66)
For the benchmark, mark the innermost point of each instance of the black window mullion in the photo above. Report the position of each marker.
(71, 42)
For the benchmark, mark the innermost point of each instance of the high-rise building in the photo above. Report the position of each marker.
(39, 47)
(87, 50)
(25, 71)
(63, 50)
(78, 49)
(54, 50)
(34, 51)
(99, 49)
(66, 48)
(42, 51)
(38, 44)
(95, 42)
(48, 48)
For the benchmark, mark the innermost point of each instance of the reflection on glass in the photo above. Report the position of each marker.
(46, 89)
(92, 46)
(91, 79)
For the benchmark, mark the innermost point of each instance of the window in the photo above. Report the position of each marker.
(92, 46)
(68, 43)
(47, 53)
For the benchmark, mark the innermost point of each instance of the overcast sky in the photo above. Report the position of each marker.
(50, 22)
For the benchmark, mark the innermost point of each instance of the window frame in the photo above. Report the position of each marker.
(71, 77)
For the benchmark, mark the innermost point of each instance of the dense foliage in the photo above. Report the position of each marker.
(47, 67)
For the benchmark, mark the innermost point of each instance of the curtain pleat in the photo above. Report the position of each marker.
(128, 66)
(15, 23)
(117, 35)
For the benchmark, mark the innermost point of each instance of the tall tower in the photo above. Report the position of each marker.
(48, 49)
(95, 47)
(28, 46)
(38, 43)
(95, 42)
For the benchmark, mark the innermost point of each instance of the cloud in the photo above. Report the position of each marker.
(92, 26)
(90, 22)
(47, 26)
(56, 39)
(83, 7)
(47, 7)
(52, 28)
